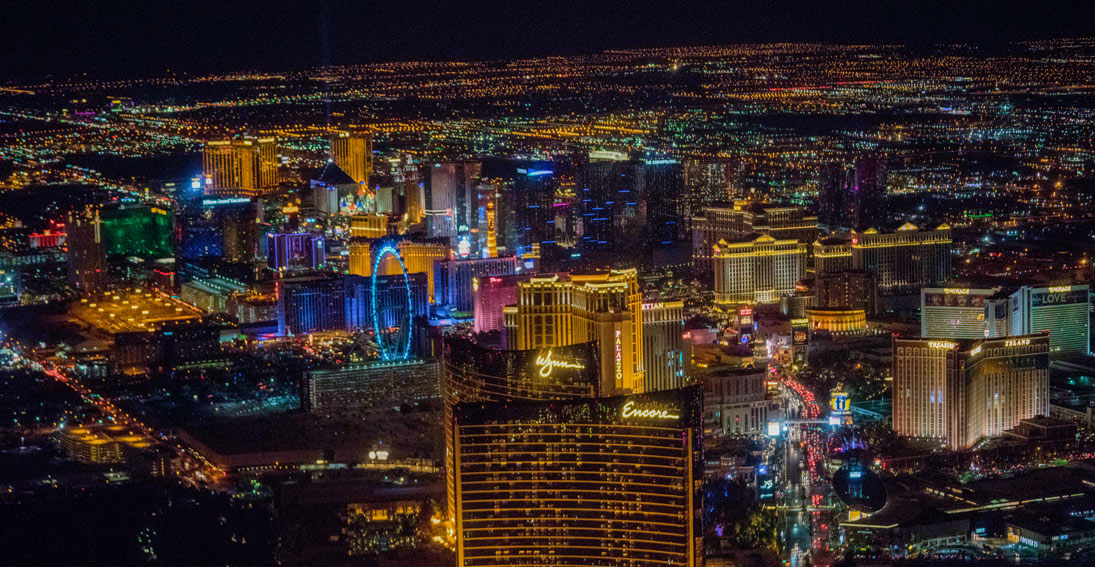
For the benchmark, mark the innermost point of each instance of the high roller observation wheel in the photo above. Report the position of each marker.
(402, 350)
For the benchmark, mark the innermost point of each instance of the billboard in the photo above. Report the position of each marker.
(838, 403)
(1047, 298)
(953, 300)
(766, 486)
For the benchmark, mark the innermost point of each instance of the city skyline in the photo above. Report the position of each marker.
(600, 288)
(105, 40)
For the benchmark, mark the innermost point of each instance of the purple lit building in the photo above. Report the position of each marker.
(293, 252)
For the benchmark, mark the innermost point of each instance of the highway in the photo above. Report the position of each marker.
(194, 468)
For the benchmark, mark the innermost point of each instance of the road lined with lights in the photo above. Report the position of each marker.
(805, 490)
(206, 472)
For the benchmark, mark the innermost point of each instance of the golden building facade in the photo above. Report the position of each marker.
(838, 321)
(561, 310)
(741, 222)
(418, 258)
(604, 481)
(361, 259)
(352, 152)
(905, 260)
(759, 270)
(832, 256)
(245, 166)
(369, 226)
(959, 391)
(473, 373)
(663, 347)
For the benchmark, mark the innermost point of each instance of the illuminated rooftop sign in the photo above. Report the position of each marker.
(547, 364)
(227, 201)
(942, 344)
(608, 155)
(630, 409)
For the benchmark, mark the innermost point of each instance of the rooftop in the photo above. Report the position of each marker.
(1050, 526)
(131, 311)
(332, 174)
(102, 434)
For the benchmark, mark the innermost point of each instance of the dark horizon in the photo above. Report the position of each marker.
(129, 40)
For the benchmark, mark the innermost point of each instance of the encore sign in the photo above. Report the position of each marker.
(547, 364)
(631, 410)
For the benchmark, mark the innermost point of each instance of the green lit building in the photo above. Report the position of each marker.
(137, 230)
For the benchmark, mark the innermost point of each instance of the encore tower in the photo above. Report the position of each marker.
(604, 481)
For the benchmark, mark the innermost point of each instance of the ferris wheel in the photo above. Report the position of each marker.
(392, 320)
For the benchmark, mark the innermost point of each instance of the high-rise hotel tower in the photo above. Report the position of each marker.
(601, 481)
(353, 153)
(563, 309)
(959, 391)
(245, 166)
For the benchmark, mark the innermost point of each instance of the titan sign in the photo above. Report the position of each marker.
(1058, 298)
(838, 402)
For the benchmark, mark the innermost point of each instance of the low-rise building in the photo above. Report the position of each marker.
(1049, 535)
(734, 401)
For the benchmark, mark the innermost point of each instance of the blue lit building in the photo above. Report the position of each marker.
(531, 214)
(333, 302)
(666, 202)
(223, 228)
(11, 285)
(454, 279)
(310, 304)
(629, 208)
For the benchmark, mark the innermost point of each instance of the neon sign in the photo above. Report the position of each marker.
(225, 201)
(941, 344)
(838, 402)
(1017, 342)
(630, 410)
(547, 364)
(619, 359)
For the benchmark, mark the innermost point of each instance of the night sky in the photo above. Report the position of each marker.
(125, 38)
